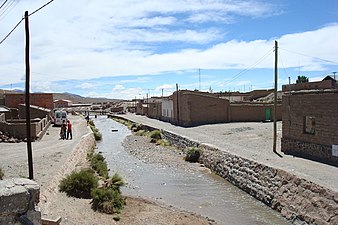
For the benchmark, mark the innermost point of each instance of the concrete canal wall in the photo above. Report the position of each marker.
(292, 196)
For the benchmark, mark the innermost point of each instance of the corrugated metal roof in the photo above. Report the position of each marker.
(3, 109)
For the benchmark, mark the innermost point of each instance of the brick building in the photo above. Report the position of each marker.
(45, 100)
(310, 125)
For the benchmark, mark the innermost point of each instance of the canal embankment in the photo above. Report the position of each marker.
(281, 189)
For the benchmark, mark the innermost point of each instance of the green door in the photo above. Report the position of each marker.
(267, 114)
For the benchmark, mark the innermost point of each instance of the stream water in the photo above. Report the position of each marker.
(201, 193)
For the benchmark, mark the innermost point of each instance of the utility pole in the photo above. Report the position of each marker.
(162, 92)
(27, 102)
(177, 105)
(275, 101)
(334, 75)
(199, 79)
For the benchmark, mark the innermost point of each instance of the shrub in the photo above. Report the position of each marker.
(98, 164)
(107, 200)
(163, 142)
(155, 135)
(91, 123)
(193, 154)
(135, 127)
(97, 134)
(1, 174)
(79, 184)
(115, 182)
(141, 133)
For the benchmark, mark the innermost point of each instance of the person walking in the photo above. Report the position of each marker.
(63, 130)
(69, 130)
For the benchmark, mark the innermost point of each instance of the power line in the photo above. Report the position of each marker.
(3, 3)
(23, 19)
(324, 60)
(41, 7)
(11, 31)
(249, 67)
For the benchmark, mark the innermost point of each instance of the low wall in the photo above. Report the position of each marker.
(17, 128)
(19, 196)
(317, 152)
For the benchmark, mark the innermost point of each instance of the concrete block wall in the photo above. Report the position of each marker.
(19, 196)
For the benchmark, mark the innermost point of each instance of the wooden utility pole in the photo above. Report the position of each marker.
(177, 105)
(27, 102)
(275, 101)
(199, 79)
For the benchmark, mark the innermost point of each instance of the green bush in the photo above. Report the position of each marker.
(115, 182)
(1, 174)
(97, 134)
(98, 163)
(163, 142)
(107, 200)
(135, 127)
(193, 154)
(141, 133)
(155, 135)
(91, 123)
(79, 184)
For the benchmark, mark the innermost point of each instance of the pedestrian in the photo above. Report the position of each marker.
(87, 118)
(69, 130)
(63, 130)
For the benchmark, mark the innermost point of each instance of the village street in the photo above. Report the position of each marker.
(49, 154)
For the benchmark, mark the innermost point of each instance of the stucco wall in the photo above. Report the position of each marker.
(323, 108)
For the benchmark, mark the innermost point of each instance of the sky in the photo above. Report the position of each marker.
(134, 48)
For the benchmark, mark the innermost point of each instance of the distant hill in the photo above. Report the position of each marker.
(67, 96)
(80, 99)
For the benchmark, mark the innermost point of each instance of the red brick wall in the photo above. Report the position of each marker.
(44, 100)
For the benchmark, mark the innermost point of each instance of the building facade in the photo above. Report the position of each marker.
(45, 100)
(310, 125)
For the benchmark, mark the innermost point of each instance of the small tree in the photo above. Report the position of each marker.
(302, 79)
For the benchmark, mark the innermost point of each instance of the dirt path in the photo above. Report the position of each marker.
(49, 157)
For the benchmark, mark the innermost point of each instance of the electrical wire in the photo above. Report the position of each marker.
(3, 4)
(324, 60)
(41, 7)
(23, 19)
(250, 67)
(11, 31)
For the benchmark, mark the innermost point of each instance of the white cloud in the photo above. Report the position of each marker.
(113, 38)
(86, 85)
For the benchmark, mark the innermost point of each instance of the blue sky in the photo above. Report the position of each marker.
(126, 49)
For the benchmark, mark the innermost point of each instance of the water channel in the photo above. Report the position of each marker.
(201, 193)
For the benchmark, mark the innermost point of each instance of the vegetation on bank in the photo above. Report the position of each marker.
(139, 129)
(107, 197)
(193, 154)
(1, 174)
(97, 133)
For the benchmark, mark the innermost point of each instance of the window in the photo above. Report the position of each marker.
(309, 125)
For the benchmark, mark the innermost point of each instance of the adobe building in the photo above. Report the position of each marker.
(45, 100)
(253, 112)
(194, 108)
(329, 82)
(62, 103)
(310, 125)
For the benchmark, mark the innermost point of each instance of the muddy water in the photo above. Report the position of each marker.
(200, 193)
